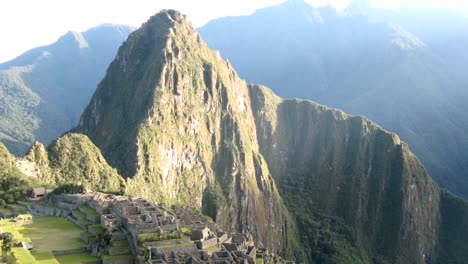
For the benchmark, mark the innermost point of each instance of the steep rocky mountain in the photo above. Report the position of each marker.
(72, 158)
(174, 118)
(309, 182)
(44, 91)
(372, 68)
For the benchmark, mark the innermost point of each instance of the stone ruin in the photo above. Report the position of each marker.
(156, 233)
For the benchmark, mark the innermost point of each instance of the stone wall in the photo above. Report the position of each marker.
(207, 242)
(67, 206)
(118, 250)
(68, 251)
(47, 211)
(189, 248)
(167, 242)
(123, 260)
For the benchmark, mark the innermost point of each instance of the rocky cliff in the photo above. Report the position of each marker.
(306, 181)
(174, 118)
(72, 158)
(326, 161)
(408, 77)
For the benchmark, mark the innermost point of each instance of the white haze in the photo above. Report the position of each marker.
(25, 24)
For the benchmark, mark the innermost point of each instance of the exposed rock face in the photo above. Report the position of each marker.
(410, 82)
(175, 118)
(327, 161)
(182, 127)
(72, 158)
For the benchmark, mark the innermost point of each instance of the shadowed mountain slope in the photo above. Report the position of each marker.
(309, 182)
(376, 69)
(44, 91)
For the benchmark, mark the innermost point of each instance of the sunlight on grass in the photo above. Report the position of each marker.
(47, 234)
(76, 258)
(53, 233)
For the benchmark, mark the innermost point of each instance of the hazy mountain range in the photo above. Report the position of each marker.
(176, 124)
(395, 67)
(44, 91)
(405, 70)
(312, 184)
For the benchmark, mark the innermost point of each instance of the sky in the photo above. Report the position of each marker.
(25, 24)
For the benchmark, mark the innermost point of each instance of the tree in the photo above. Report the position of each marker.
(7, 243)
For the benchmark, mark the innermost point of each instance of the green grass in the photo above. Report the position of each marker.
(97, 228)
(53, 233)
(89, 210)
(25, 203)
(259, 260)
(23, 255)
(125, 256)
(19, 209)
(81, 214)
(9, 226)
(5, 211)
(44, 257)
(83, 217)
(76, 258)
(120, 243)
(47, 234)
(150, 237)
(176, 245)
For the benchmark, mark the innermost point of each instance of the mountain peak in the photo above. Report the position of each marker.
(296, 4)
(74, 37)
(169, 16)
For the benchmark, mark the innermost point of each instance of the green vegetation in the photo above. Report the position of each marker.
(6, 240)
(452, 246)
(150, 237)
(332, 188)
(44, 257)
(14, 185)
(258, 260)
(6, 211)
(47, 234)
(76, 258)
(179, 245)
(74, 162)
(52, 233)
(330, 240)
(24, 256)
(69, 188)
(96, 229)
(120, 243)
(213, 199)
(82, 217)
(8, 225)
(125, 256)
(41, 97)
(89, 210)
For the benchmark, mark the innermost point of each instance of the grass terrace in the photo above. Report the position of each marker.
(47, 234)
(89, 210)
(151, 237)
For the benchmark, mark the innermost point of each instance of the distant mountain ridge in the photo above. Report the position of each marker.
(44, 91)
(310, 183)
(378, 69)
